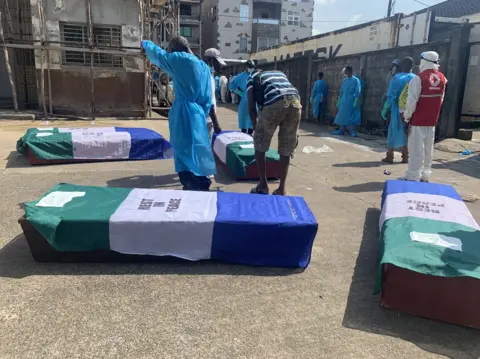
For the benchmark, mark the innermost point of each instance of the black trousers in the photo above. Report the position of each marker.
(192, 182)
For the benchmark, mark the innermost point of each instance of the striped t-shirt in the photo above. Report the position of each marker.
(275, 85)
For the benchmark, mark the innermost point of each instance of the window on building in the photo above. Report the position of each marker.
(264, 15)
(244, 13)
(104, 37)
(293, 18)
(243, 45)
(266, 42)
(185, 10)
(186, 31)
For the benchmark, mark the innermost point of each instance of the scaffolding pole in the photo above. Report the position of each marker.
(9, 68)
(42, 58)
(45, 41)
(90, 45)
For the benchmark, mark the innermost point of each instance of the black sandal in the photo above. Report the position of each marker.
(277, 193)
(257, 190)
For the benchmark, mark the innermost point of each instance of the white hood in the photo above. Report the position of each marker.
(429, 61)
(426, 65)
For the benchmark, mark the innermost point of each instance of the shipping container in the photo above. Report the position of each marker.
(399, 30)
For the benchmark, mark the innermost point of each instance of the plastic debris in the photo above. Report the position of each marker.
(466, 153)
(311, 149)
(387, 173)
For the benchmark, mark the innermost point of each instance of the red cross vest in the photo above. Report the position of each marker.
(430, 102)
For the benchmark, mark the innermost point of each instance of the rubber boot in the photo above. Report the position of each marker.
(389, 157)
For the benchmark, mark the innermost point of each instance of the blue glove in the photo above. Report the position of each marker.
(355, 103)
(386, 108)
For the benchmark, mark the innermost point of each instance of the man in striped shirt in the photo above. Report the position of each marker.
(279, 105)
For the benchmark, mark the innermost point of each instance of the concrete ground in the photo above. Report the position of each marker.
(215, 310)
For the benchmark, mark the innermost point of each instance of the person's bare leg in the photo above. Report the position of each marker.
(284, 164)
(261, 159)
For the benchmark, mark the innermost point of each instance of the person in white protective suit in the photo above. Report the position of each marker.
(425, 97)
(233, 95)
(223, 88)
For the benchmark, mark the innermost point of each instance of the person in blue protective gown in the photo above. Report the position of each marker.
(348, 116)
(397, 135)
(319, 97)
(193, 154)
(357, 113)
(217, 87)
(239, 86)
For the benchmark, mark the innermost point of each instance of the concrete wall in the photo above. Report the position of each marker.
(116, 89)
(305, 10)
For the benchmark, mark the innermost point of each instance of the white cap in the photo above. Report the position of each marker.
(213, 52)
(430, 56)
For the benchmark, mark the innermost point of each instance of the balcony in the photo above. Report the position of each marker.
(266, 21)
(190, 19)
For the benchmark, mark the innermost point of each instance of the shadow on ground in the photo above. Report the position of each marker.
(17, 160)
(469, 166)
(146, 181)
(364, 313)
(371, 164)
(16, 261)
(362, 187)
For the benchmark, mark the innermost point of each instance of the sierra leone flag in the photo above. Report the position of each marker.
(427, 228)
(237, 152)
(240, 228)
(95, 143)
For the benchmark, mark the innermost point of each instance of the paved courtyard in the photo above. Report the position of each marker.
(216, 310)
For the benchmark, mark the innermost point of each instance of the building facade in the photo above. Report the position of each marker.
(238, 29)
(118, 80)
(191, 24)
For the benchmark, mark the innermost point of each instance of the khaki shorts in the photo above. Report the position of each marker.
(286, 114)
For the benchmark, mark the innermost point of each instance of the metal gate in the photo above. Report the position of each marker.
(17, 27)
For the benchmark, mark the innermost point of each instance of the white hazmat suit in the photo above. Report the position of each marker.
(223, 88)
(421, 138)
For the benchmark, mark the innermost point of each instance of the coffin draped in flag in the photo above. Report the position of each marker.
(50, 145)
(235, 150)
(429, 253)
(240, 228)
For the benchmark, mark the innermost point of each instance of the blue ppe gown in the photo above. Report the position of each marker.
(349, 96)
(397, 138)
(187, 117)
(319, 96)
(357, 112)
(217, 88)
(239, 85)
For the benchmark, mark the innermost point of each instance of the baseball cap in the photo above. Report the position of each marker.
(213, 52)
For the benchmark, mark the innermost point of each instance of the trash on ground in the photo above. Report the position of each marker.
(311, 149)
(466, 153)
(386, 172)
(470, 198)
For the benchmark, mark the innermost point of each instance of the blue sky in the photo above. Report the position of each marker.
(336, 14)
